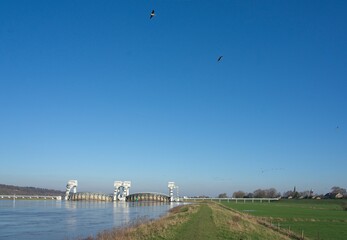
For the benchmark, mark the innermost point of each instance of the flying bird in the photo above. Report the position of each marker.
(152, 14)
(220, 58)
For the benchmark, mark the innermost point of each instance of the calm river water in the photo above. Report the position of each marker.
(46, 219)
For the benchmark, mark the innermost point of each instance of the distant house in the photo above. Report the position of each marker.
(328, 195)
(339, 196)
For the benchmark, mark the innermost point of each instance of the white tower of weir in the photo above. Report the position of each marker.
(171, 186)
(121, 190)
(70, 186)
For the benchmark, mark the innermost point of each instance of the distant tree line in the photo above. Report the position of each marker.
(259, 193)
(15, 190)
(336, 192)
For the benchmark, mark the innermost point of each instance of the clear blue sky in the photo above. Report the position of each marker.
(96, 91)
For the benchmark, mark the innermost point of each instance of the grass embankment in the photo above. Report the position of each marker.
(316, 219)
(196, 221)
(199, 226)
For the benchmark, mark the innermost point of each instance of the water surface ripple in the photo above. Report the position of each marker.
(50, 219)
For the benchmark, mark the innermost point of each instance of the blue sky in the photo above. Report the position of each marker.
(96, 91)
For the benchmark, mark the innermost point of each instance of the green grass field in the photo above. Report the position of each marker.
(200, 226)
(318, 219)
(202, 221)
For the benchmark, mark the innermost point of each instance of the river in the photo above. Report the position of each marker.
(50, 219)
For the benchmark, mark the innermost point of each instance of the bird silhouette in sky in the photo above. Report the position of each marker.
(152, 14)
(220, 58)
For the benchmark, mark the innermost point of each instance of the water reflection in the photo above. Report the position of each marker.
(131, 212)
(121, 213)
(50, 219)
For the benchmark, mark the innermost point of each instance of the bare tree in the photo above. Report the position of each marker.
(222, 195)
(259, 193)
(335, 190)
(306, 194)
(249, 195)
(271, 193)
(239, 194)
(266, 193)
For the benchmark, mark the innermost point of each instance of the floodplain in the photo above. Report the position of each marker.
(311, 218)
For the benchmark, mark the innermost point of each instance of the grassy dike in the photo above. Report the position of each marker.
(196, 221)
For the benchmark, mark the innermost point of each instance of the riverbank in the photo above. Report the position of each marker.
(45, 219)
(195, 221)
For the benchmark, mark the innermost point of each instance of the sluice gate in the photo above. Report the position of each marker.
(155, 197)
(81, 196)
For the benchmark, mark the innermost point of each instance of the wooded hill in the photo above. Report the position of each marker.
(15, 190)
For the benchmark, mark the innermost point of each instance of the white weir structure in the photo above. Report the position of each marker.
(71, 185)
(121, 190)
(172, 186)
(121, 193)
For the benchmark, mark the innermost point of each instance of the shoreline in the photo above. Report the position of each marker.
(201, 221)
